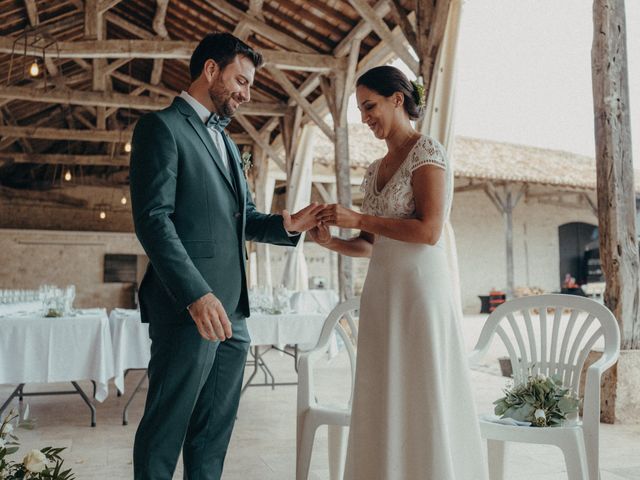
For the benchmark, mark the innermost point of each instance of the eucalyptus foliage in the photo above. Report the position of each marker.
(542, 400)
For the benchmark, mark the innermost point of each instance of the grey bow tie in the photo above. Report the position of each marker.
(217, 122)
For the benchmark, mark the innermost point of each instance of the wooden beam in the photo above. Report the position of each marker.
(381, 29)
(113, 99)
(32, 12)
(147, 86)
(63, 159)
(350, 78)
(127, 25)
(614, 170)
(106, 5)
(47, 133)
(40, 196)
(430, 44)
(361, 30)
(116, 64)
(8, 118)
(262, 141)
(400, 16)
(293, 92)
(173, 49)
(259, 26)
(159, 18)
(117, 136)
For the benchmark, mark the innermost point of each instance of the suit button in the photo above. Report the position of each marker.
(237, 214)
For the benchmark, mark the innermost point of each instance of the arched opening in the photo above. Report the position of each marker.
(575, 239)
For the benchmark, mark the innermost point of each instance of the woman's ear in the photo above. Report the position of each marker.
(398, 99)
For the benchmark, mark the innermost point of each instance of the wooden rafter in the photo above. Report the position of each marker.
(400, 16)
(25, 143)
(261, 140)
(174, 49)
(105, 5)
(33, 195)
(368, 13)
(46, 133)
(431, 21)
(259, 26)
(295, 94)
(112, 99)
(63, 159)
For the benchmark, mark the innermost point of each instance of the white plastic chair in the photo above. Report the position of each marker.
(553, 345)
(311, 414)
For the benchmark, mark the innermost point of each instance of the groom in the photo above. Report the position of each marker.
(192, 214)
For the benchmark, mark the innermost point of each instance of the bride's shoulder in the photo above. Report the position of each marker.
(428, 151)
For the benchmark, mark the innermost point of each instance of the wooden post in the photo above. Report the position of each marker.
(614, 165)
(505, 204)
(263, 195)
(343, 182)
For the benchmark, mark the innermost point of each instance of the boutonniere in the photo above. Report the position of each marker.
(247, 163)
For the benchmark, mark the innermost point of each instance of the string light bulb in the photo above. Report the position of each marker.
(123, 200)
(127, 147)
(103, 215)
(67, 176)
(34, 70)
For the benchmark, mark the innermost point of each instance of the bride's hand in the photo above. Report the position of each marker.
(320, 234)
(339, 216)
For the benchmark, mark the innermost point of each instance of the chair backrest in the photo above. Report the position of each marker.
(348, 311)
(552, 335)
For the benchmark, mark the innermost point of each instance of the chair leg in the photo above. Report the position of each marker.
(307, 433)
(495, 451)
(337, 451)
(575, 460)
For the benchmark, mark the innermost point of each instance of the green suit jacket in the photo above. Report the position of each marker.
(192, 216)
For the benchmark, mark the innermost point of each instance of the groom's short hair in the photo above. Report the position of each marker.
(222, 48)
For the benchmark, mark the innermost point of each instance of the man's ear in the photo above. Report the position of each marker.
(210, 69)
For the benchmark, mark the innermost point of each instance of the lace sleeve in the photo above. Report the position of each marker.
(429, 152)
(368, 177)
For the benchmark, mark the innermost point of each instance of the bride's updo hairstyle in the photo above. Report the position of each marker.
(386, 80)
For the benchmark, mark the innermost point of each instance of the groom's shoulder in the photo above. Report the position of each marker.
(166, 116)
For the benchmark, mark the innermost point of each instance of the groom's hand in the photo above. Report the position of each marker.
(302, 220)
(210, 317)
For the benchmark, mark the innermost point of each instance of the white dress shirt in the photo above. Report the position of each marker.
(215, 135)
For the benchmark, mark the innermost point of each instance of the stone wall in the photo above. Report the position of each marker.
(480, 238)
(478, 227)
(29, 258)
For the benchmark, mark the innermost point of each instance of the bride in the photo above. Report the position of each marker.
(413, 415)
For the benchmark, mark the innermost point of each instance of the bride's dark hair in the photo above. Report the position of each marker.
(386, 80)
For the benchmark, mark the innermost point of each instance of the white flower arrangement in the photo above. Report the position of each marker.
(542, 401)
(247, 163)
(42, 464)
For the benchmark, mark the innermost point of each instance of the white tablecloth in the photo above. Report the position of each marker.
(34, 349)
(19, 308)
(131, 344)
(302, 329)
(314, 301)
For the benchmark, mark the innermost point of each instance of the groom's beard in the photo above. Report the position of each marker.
(222, 99)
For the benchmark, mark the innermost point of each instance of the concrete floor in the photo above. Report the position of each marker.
(263, 445)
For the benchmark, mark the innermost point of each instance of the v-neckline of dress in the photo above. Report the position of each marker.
(378, 191)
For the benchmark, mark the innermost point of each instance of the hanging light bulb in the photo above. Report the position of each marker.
(103, 215)
(123, 200)
(67, 176)
(34, 70)
(127, 147)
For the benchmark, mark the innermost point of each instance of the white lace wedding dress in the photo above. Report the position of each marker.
(413, 415)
